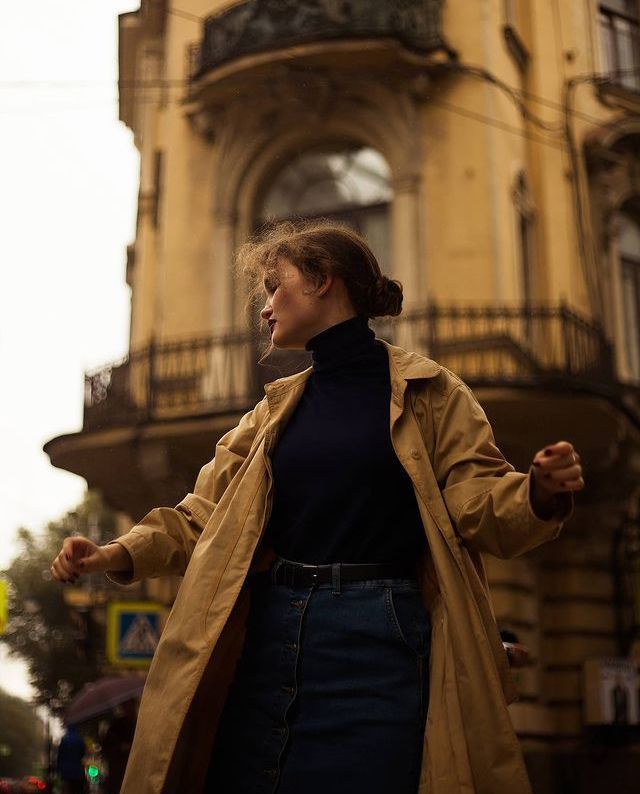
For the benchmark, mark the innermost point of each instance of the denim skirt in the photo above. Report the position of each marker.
(330, 694)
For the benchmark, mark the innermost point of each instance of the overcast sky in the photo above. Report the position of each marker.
(68, 191)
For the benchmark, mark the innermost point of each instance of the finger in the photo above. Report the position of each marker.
(572, 485)
(557, 461)
(64, 565)
(75, 548)
(59, 572)
(69, 563)
(549, 455)
(566, 485)
(55, 572)
(560, 448)
(562, 474)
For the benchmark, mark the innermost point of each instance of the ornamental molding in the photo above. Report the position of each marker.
(291, 113)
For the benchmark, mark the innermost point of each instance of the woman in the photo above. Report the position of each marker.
(334, 627)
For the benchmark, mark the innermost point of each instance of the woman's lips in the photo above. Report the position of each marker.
(271, 326)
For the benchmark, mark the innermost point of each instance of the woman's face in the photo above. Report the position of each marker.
(293, 316)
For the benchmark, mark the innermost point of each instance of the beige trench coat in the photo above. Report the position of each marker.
(471, 501)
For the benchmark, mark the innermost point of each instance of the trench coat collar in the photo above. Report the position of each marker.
(403, 366)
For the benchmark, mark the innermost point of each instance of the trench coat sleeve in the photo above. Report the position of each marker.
(488, 501)
(163, 541)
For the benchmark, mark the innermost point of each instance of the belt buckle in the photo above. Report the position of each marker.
(314, 571)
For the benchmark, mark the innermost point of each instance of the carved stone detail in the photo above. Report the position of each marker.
(290, 112)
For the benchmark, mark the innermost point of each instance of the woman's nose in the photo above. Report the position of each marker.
(266, 312)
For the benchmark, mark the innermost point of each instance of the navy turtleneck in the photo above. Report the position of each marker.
(340, 492)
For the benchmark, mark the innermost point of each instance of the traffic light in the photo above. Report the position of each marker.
(93, 772)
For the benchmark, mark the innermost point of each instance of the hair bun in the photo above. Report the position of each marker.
(385, 297)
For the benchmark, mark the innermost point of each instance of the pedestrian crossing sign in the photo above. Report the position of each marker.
(133, 631)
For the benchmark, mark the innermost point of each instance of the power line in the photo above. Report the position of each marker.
(177, 12)
(486, 76)
(465, 112)
(140, 85)
(165, 83)
(445, 105)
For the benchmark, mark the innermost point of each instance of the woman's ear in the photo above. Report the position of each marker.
(326, 280)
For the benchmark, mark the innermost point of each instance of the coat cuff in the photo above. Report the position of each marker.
(134, 543)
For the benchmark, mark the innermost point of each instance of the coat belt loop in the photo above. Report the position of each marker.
(335, 577)
(274, 570)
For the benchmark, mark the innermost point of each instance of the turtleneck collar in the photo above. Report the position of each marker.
(340, 343)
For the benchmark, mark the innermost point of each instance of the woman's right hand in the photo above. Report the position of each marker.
(82, 556)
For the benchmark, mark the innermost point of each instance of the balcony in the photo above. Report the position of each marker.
(183, 378)
(152, 419)
(485, 346)
(247, 39)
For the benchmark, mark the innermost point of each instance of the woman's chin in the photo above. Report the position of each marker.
(284, 344)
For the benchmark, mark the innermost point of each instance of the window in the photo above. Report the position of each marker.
(620, 31)
(629, 251)
(348, 183)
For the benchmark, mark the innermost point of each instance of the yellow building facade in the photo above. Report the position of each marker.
(490, 152)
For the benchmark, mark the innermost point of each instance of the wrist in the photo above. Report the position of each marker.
(543, 502)
(118, 558)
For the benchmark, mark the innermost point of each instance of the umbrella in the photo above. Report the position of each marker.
(99, 697)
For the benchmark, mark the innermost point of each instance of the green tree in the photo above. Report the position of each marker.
(21, 737)
(63, 647)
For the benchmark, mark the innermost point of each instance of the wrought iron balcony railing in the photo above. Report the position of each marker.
(261, 25)
(496, 345)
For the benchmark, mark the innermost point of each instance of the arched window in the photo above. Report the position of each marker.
(346, 182)
(629, 253)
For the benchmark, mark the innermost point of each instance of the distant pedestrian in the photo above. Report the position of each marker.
(70, 761)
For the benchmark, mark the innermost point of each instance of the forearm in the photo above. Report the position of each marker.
(160, 544)
(502, 521)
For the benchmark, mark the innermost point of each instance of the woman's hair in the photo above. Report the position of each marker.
(318, 247)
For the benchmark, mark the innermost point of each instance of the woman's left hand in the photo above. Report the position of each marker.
(556, 469)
